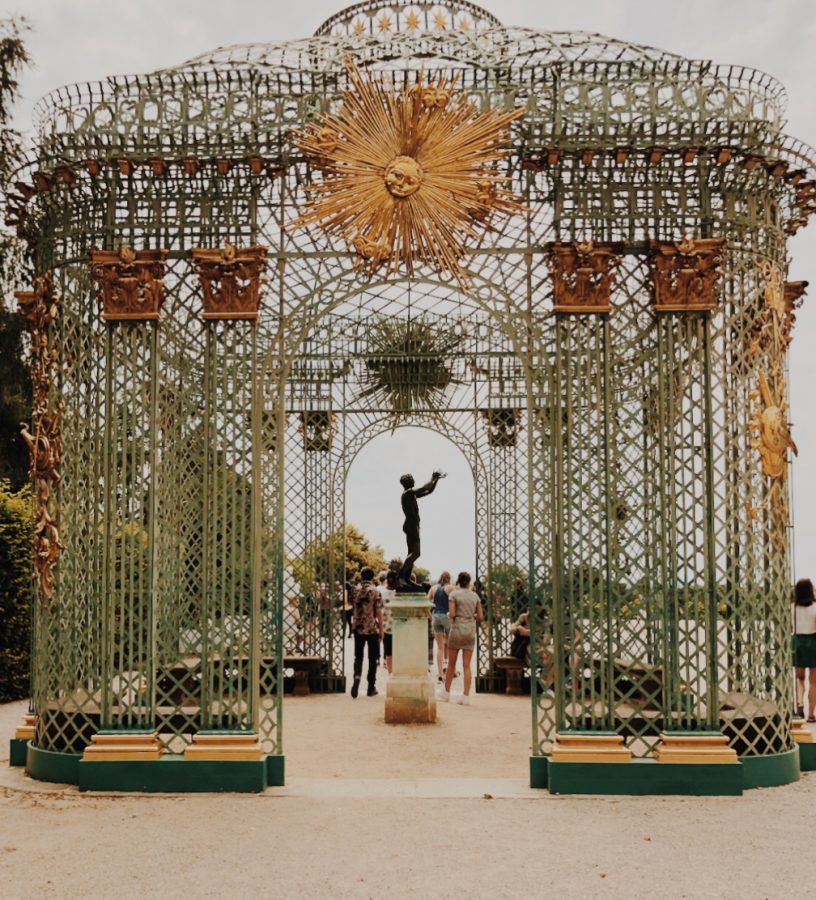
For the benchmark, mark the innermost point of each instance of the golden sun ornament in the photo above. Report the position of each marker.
(408, 176)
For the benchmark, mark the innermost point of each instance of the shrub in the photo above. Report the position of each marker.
(16, 591)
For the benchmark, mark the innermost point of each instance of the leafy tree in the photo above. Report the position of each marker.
(324, 560)
(15, 383)
(15, 405)
(508, 588)
(16, 591)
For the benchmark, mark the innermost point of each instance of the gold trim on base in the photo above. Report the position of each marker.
(25, 732)
(800, 732)
(123, 747)
(694, 748)
(224, 747)
(603, 748)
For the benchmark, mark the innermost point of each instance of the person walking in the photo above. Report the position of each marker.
(465, 610)
(804, 647)
(367, 621)
(440, 621)
(348, 590)
(388, 592)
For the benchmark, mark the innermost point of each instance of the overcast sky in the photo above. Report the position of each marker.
(86, 40)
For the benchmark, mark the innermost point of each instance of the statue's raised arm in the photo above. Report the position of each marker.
(429, 487)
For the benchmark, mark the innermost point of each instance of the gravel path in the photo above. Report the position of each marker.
(376, 811)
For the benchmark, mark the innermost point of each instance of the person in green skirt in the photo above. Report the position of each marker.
(804, 646)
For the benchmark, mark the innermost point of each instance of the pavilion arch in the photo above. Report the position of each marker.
(313, 483)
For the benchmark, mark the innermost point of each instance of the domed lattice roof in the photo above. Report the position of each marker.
(607, 93)
(454, 30)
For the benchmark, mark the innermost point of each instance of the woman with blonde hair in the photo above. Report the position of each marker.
(465, 610)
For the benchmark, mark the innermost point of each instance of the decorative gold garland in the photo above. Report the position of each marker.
(768, 429)
(40, 308)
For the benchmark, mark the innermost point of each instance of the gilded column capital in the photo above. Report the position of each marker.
(231, 279)
(131, 283)
(686, 274)
(583, 273)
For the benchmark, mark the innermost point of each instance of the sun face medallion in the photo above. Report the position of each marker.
(406, 176)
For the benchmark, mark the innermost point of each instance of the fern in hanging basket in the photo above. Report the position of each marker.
(407, 365)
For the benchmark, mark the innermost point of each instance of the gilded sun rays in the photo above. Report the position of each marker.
(408, 176)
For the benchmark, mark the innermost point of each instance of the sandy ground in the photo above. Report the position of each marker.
(377, 811)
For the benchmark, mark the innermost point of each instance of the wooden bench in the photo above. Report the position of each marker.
(181, 681)
(638, 684)
(513, 670)
(303, 667)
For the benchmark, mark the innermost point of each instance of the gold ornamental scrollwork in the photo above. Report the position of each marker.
(686, 274)
(794, 295)
(231, 279)
(408, 176)
(40, 308)
(768, 428)
(772, 331)
(769, 434)
(131, 283)
(583, 274)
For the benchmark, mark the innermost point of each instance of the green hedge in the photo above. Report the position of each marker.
(16, 591)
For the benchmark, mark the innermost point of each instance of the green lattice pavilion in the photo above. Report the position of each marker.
(610, 358)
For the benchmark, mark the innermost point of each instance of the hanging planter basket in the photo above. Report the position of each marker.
(408, 365)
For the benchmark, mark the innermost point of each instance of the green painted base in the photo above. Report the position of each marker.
(770, 771)
(173, 774)
(274, 770)
(646, 776)
(46, 765)
(170, 774)
(17, 751)
(538, 771)
(807, 757)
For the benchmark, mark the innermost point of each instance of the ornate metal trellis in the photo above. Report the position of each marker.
(612, 364)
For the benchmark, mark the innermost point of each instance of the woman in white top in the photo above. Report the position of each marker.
(804, 646)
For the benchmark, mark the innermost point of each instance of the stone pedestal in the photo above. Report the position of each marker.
(694, 747)
(590, 747)
(410, 696)
(19, 743)
(129, 745)
(224, 745)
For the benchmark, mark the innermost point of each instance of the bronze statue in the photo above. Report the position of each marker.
(410, 508)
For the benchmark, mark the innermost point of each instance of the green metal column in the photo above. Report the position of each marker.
(231, 576)
(128, 683)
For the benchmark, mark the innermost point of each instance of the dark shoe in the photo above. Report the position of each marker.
(355, 688)
(800, 712)
(372, 691)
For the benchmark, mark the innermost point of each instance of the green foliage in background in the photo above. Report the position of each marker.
(16, 591)
(15, 383)
(323, 561)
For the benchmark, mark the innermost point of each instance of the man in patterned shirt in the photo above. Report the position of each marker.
(367, 623)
